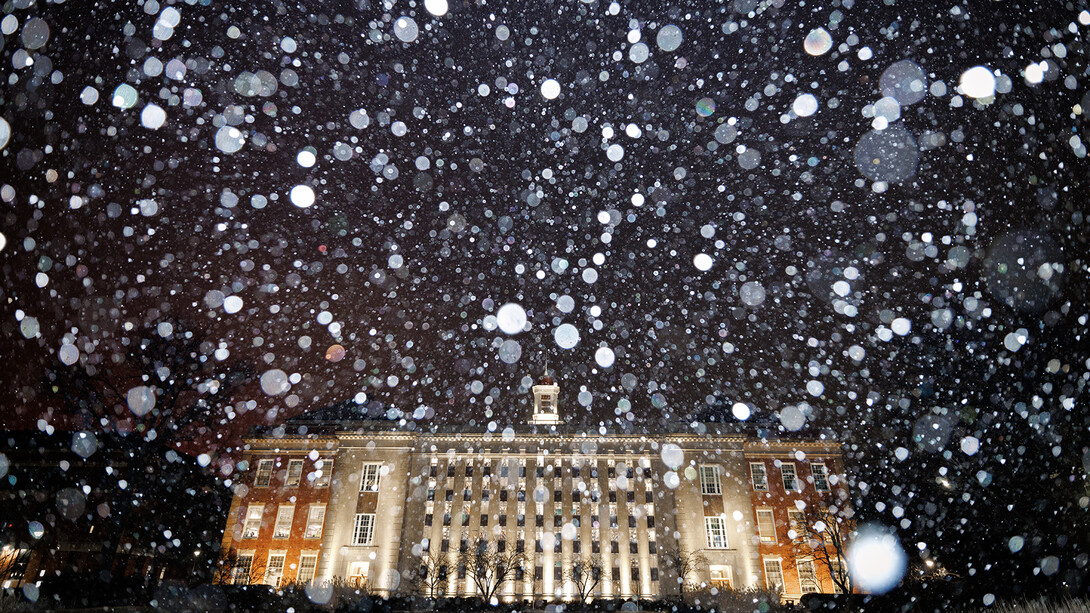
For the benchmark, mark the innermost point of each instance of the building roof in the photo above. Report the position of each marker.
(349, 416)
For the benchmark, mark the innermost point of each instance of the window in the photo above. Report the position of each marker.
(760, 477)
(364, 531)
(13, 564)
(654, 574)
(274, 569)
(796, 521)
(295, 473)
(284, 515)
(774, 575)
(308, 563)
(790, 481)
(808, 577)
(252, 526)
(717, 532)
(369, 480)
(836, 570)
(264, 473)
(315, 521)
(357, 574)
(709, 480)
(323, 478)
(720, 576)
(766, 525)
(242, 568)
(821, 477)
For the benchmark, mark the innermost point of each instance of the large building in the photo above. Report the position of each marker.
(332, 496)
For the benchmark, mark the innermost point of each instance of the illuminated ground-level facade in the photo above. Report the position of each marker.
(373, 504)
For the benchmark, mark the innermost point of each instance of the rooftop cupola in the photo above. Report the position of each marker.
(546, 395)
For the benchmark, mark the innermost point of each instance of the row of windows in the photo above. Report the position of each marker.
(285, 514)
(710, 482)
(370, 474)
(539, 545)
(320, 477)
(576, 496)
(539, 572)
(716, 528)
(808, 578)
(244, 569)
(541, 470)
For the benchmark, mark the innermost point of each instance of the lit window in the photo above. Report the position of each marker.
(796, 521)
(315, 521)
(324, 475)
(836, 569)
(369, 481)
(774, 575)
(357, 574)
(252, 525)
(717, 532)
(308, 564)
(295, 473)
(808, 577)
(242, 568)
(709, 480)
(13, 564)
(766, 525)
(821, 477)
(720, 576)
(760, 477)
(364, 531)
(284, 515)
(790, 481)
(274, 570)
(264, 473)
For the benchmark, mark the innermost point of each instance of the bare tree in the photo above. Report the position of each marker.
(13, 563)
(491, 568)
(233, 567)
(585, 574)
(432, 576)
(685, 564)
(825, 535)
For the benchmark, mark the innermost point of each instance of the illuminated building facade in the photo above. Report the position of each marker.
(376, 503)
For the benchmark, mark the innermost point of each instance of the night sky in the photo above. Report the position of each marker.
(869, 219)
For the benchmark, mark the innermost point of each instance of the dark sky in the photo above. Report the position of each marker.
(458, 187)
(864, 217)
